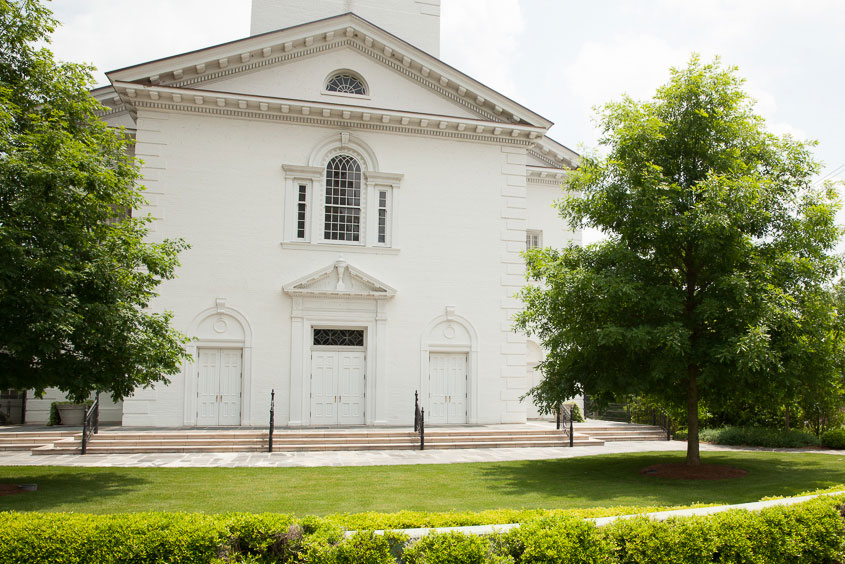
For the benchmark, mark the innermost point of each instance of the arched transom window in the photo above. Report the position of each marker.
(343, 199)
(346, 83)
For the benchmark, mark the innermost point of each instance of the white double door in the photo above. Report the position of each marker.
(447, 388)
(337, 387)
(219, 387)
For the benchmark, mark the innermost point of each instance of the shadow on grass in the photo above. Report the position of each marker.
(612, 480)
(59, 490)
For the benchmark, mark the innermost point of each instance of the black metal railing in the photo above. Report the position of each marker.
(565, 422)
(272, 420)
(661, 419)
(419, 419)
(91, 423)
(654, 416)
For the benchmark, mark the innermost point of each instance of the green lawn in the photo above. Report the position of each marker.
(597, 481)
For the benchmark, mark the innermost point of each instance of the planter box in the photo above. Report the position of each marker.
(72, 415)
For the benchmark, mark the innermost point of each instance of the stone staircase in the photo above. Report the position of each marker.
(628, 432)
(129, 441)
(29, 440)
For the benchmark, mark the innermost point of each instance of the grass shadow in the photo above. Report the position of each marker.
(613, 480)
(59, 489)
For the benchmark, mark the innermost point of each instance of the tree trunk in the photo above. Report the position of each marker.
(693, 458)
(787, 417)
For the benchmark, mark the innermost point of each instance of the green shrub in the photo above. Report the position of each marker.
(809, 532)
(128, 538)
(552, 540)
(758, 436)
(834, 438)
(575, 411)
(812, 532)
(454, 548)
(363, 547)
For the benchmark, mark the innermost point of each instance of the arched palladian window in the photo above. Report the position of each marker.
(346, 83)
(343, 199)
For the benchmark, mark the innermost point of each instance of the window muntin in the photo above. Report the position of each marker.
(339, 337)
(346, 83)
(533, 239)
(343, 200)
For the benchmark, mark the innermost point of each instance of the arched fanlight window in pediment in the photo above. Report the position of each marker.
(346, 82)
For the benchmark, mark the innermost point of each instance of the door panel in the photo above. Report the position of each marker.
(437, 389)
(351, 388)
(323, 388)
(230, 387)
(447, 386)
(457, 386)
(208, 386)
(219, 387)
(337, 387)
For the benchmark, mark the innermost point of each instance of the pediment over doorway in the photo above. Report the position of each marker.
(340, 279)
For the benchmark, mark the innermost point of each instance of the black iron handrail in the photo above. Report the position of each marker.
(419, 419)
(272, 419)
(91, 423)
(659, 418)
(565, 422)
(416, 411)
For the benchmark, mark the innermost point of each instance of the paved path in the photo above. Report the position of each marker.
(356, 458)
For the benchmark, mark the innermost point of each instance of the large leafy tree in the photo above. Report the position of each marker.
(713, 280)
(75, 277)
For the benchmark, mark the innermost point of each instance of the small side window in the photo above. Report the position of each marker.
(533, 239)
(301, 211)
(382, 217)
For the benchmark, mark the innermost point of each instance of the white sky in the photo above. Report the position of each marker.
(559, 58)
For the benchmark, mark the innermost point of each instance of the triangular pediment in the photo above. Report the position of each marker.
(305, 78)
(218, 69)
(340, 279)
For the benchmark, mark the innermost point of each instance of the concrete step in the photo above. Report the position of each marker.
(618, 438)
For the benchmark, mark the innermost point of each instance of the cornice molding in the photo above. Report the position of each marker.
(550, 176)
(548, 158)
(385, 178)
(333, 123)
(300, 171)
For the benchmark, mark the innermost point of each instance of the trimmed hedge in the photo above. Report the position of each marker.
(756, 436)
(812, 532)
(834, 438)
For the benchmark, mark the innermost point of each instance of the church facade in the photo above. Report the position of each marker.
(356, 210)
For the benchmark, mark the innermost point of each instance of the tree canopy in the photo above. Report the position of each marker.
(76, 273)
(715, 278)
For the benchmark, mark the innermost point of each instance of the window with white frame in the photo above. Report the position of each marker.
(346, 83)
(342, 217)
(533, 239)
(338, 199)
(301, 211)
(383, 209)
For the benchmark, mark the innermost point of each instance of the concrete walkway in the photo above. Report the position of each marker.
(358, 458)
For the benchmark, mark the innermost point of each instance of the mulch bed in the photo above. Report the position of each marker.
(10, 489)
(703, 472)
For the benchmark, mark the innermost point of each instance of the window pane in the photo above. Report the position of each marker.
(300, 212)
(343, 199)
(339, 337)
(382, 216)
(346, 83)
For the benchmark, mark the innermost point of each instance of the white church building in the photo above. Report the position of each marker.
(356, 210)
